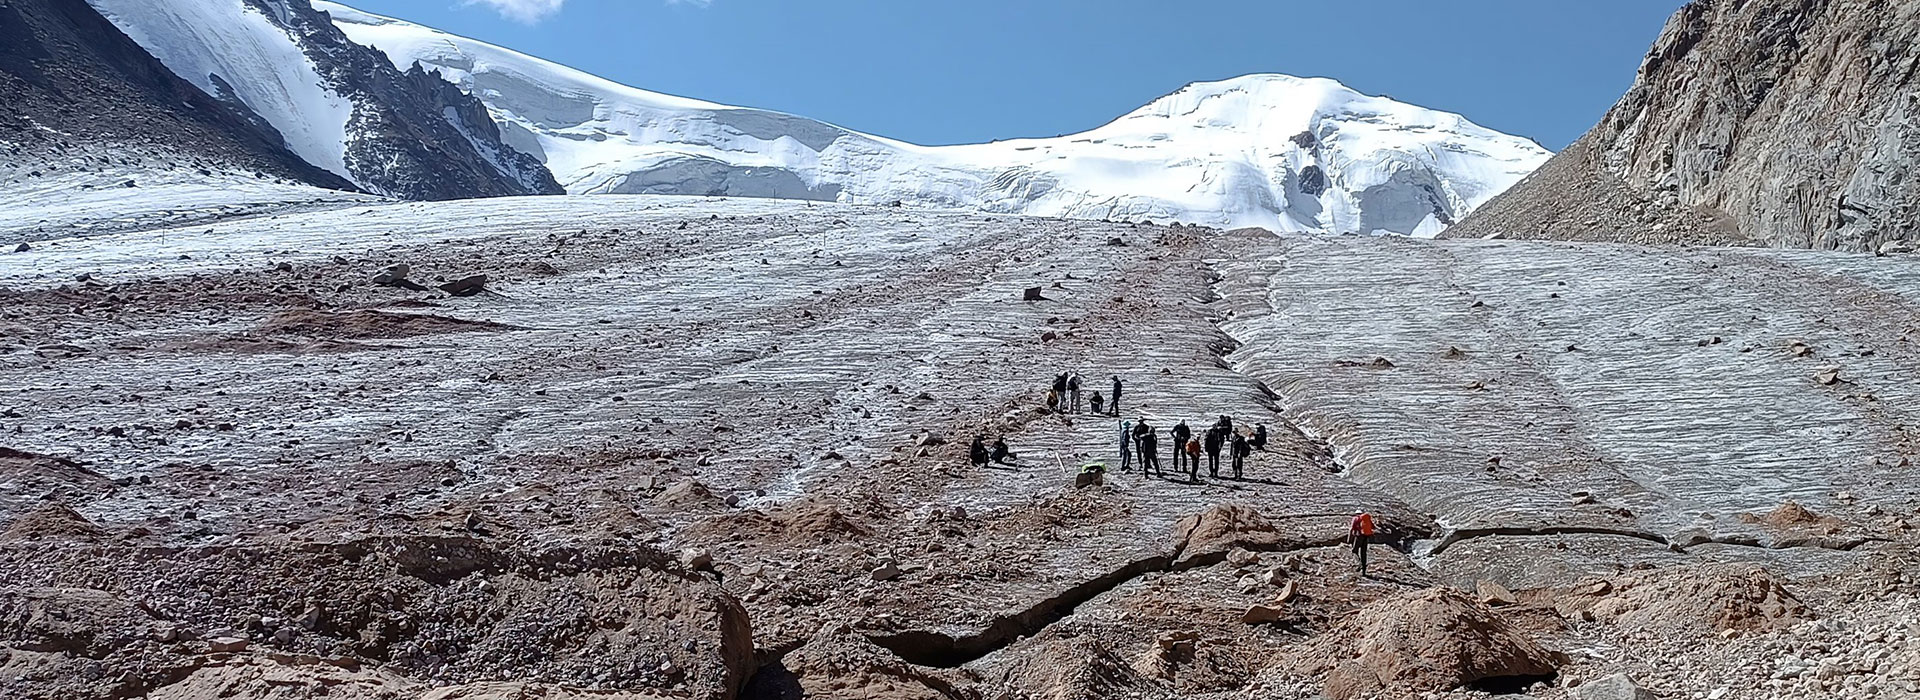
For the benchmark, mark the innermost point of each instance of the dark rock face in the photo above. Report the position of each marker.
(1787, 123)
(413, 135)
(74, 83)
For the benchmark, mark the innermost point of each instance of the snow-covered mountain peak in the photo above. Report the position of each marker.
(1267, 150)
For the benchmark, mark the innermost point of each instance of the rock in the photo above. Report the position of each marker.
(470, 285)
(887, 571)
(1049, 336)
(1614, 687)
(1894, 247)
(1241, 558)
(1827, 377)
(1494, 594)
(1177, 642)
(697, 559)
(1799, 349)
(310, 618)
(22, 248)
(1263, 614)
(929, 440)
(1089, 478)
(285, 636)
(227, 645)
(1032, 294)
(1116, 242)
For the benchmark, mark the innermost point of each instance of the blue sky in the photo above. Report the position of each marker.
(935, 72)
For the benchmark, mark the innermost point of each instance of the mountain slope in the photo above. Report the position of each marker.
(73, 82)
(338, 105)
(1284, 153)
(1774, 122)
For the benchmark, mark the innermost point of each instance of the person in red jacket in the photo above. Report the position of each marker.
(1359, 534)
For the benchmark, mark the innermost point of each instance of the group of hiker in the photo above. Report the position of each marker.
(980, 454)
(1064, 396)
(1143, 440)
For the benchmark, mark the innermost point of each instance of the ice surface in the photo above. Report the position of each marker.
(1230, 153)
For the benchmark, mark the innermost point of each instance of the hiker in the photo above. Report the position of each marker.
(1000, 453)
(1214, 439)
(1140, 431)
(1225, 424)
(1113, 399)
(1073, 392)
(1181, 433)
(1360, 533)
(1150, 453)
(1259, 440)
(1060, 385)
(1053, 401)
(1126, 439)
(1096, 403)
(1193, 459)
(977, 454)
(1240, 452)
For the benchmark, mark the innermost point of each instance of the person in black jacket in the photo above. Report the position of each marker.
(1240, 452)
(1259, 440)
(977, 454)
(1060, 386)
(1097, 402)
(1180, 434)
(1212, 443)
(1000, 452)
(1150, 453)
(1073, 392)
(1113, 400)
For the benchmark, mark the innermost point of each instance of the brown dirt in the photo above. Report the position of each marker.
(1430, 640)
(1794, 518)
(1723, 598)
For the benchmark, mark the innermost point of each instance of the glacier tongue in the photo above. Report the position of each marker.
(1283, 153)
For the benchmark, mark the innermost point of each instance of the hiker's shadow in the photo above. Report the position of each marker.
(1389, 579)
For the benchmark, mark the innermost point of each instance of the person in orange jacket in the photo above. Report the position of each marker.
(1359, 534)
(1193, 459)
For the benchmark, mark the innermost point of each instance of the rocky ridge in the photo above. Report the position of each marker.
(1788, 123)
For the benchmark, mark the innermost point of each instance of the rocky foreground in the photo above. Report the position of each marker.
(714, 449)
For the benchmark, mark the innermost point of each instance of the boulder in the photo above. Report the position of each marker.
(1263, 614)
(1615, 687)
(1032, 294)
(887, 571)
(226, 645)
(697, 559)
(1494, 594)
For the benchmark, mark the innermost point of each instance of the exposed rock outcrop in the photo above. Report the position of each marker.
(1788, 123)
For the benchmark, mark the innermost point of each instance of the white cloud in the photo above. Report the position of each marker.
(528, 11)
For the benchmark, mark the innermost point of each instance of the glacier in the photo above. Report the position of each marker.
(1271, 151)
